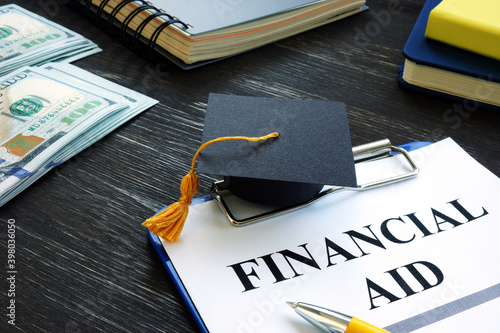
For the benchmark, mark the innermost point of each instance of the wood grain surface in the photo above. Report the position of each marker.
(83, 259)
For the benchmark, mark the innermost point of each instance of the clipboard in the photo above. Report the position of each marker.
(160, 250)
(165, 260)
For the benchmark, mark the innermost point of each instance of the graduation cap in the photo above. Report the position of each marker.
(270, 151)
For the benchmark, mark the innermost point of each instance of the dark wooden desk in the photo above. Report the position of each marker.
(84, 261)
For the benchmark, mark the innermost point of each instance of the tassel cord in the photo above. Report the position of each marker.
(168, 223)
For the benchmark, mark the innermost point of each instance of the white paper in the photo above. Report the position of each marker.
(451, 186)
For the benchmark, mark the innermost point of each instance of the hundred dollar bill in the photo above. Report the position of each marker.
(27, 39)
(39, 114)
(136, 101)
(122, 104)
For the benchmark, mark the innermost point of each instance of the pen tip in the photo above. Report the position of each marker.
(292, 304)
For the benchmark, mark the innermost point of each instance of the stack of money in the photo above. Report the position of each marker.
(50, 113)
(29, 39)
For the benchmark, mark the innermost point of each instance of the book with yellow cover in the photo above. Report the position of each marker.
(470, 25)
(440, 69)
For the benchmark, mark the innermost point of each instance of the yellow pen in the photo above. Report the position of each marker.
(332, 321)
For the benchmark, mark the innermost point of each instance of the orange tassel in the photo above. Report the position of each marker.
(169, 222)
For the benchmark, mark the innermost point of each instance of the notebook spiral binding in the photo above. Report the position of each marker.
(98, 15)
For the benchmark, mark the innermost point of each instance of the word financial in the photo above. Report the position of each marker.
(248, 271)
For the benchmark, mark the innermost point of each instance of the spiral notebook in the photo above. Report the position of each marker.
(194, 32)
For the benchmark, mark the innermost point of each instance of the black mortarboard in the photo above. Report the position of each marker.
(269, 150)
(313, 148)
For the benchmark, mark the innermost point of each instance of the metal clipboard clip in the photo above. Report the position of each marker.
(362, 153)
